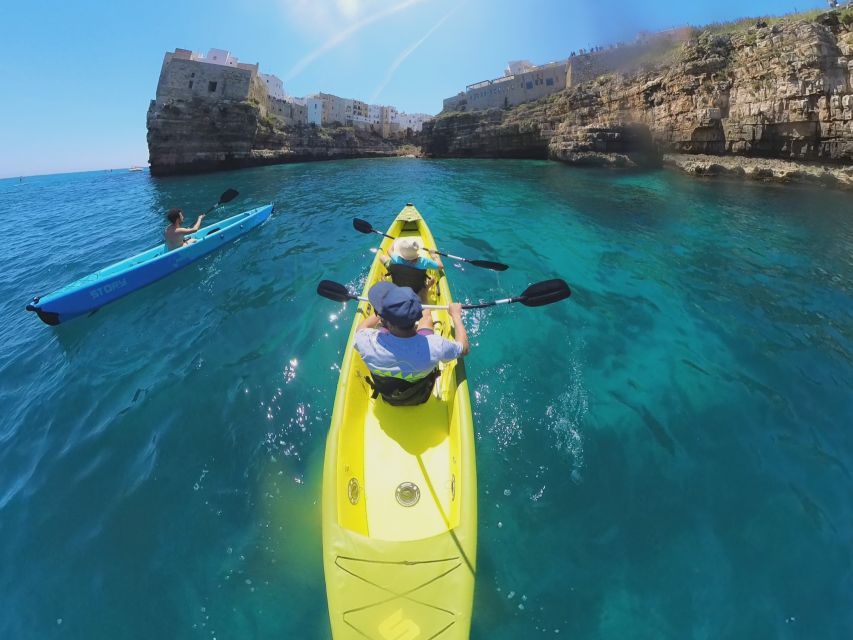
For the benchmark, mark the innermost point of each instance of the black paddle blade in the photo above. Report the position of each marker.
(488, 264)
(545, 292)
(334, 291)
(362, 225)
(228, 196)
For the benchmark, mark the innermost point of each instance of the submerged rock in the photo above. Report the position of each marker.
(764, 169)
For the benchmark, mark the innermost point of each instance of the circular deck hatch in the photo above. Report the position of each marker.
(353, 490)
(408, 494)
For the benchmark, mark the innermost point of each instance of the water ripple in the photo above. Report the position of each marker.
(164, 456)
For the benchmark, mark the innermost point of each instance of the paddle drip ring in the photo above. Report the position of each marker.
(353, 490)
(408, 494)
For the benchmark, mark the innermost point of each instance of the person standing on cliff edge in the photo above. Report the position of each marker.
(175, 234)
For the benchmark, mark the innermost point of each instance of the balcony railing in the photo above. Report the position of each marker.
(487, 83)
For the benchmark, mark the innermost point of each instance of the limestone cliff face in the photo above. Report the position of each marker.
(190, 136)
(517, 133)
(781, 91)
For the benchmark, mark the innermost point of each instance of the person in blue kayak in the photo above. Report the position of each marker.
(408, 267)
(403, 353)
(175, 234)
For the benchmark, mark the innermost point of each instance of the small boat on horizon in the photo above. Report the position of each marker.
(135, 168)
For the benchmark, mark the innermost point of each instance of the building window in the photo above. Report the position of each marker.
(529, 85)
(211, 86)
(191, 84)
(549, 82)
(192, 75)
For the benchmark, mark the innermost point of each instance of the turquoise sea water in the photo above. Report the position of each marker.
(666, 455)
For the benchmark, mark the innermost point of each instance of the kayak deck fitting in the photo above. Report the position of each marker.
(400, 494)
(93, 291)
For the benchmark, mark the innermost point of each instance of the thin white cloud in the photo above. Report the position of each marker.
(310, 15)
(409, 51)
(348, 8)
(346, 34)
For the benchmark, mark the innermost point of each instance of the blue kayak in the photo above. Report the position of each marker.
(111, 283)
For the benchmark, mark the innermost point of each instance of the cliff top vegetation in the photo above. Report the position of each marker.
(665, 52)
(845, 16)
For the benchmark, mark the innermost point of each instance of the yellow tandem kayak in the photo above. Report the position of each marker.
(400, 494)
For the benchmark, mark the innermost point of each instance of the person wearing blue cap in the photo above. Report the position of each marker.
(403, 354)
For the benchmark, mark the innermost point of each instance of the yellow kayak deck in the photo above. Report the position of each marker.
(399, 494)
(415, 451)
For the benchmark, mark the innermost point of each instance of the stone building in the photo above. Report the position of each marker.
(516, 67)
(275, 87)
(186, 75)
(373, 113)
(220, 56)
(336, 110)
(289, 110)
(524, 82)
(532, 83)
(221, 77)
(389, 121)
(315, 110)
(413, 121)
(360, 114)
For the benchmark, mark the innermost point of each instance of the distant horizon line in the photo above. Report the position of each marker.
(18, 176)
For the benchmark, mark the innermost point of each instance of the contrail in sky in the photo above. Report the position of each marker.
(346, 34)
(402, 57)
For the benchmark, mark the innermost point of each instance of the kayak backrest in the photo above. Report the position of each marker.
(405, 276)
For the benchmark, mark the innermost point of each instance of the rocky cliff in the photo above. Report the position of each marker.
(782, 90)
(190, 136)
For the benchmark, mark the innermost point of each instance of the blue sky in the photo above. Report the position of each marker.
(78, 76)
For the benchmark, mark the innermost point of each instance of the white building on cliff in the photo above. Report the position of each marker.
(220, 76)
(220, 56)
(275, 87)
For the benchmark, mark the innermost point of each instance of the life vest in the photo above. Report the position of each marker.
(402, 393)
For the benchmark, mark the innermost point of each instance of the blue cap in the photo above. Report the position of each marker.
(398, 305)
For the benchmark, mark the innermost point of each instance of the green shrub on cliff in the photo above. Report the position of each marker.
(268, 122)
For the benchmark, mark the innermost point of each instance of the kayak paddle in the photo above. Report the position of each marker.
(226, 197)
(364, 226)
(536, 295)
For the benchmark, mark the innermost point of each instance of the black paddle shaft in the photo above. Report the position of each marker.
(226, 197)
(536, 295)
(364, 226)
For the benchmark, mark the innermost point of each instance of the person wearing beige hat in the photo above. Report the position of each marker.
(407, 252)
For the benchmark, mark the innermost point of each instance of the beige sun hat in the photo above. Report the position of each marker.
(408, 248)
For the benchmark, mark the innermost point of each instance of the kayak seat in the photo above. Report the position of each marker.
(405, 276)
(402, 393)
